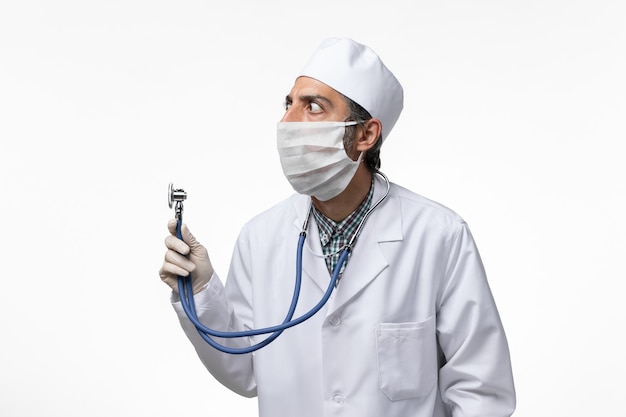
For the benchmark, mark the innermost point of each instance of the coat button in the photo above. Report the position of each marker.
(335, 321)
(338, 399)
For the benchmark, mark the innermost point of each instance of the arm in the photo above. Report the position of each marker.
(216, 312)
(213, 308)
(476, 377)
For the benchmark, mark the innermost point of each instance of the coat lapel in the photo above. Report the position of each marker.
(368, 260)
(313, 266)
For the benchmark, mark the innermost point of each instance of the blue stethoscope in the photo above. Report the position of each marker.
(186, 292)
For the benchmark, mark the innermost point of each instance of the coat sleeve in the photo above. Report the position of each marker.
(476, 376)
(219, 311)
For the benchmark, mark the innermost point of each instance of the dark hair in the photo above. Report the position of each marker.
(372, 156)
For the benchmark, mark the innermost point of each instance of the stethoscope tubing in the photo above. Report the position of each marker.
(185, 292)
(186, 297)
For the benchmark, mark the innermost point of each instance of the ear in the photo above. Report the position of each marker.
(370, 131)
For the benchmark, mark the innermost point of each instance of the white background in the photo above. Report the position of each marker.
(514, 117)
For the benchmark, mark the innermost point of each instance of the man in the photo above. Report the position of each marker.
(411, 328)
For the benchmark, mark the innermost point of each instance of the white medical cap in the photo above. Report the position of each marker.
(358, 73)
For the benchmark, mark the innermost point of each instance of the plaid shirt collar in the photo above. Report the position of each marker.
(329, 229)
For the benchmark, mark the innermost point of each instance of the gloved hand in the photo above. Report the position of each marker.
(184, 257)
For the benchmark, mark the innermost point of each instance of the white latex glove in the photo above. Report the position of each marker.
(184, 257)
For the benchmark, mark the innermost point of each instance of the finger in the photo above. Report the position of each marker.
(175, 244)
(181, 264)
(188, 237)
(171, 226)
(168, 278)
(186, 234)
(171, 272)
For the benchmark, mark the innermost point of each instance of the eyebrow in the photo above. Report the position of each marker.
(310, 98)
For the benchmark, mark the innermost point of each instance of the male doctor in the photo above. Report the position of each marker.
(411, 329)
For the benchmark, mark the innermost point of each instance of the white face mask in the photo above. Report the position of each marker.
(314, 159)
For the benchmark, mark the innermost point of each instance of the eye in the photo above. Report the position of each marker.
(315, 108)
(286, 105)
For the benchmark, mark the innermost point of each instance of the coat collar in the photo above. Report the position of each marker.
(367, 260)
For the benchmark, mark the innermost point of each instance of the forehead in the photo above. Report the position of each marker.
(307, 87)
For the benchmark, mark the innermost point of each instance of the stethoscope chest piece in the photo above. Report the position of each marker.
(176, 196)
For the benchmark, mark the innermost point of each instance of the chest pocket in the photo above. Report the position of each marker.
(407, 358)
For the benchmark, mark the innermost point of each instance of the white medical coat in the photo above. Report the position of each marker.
(412, 330)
